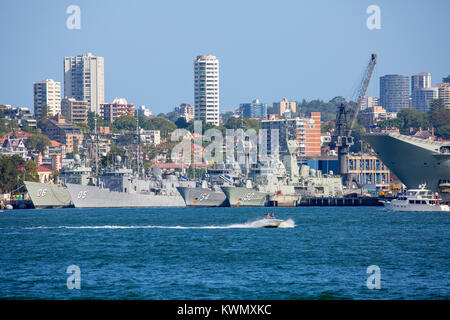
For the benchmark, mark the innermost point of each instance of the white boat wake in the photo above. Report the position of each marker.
(261, 223)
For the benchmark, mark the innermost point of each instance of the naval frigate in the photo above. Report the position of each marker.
(120, 187)
(208, 192)
(46, 196)
(414, 160)
(270, 181)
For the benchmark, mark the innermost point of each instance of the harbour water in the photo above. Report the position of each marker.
(222, 253)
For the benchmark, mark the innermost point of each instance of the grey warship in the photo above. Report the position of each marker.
(270, 181)
(207, 193)
(415, 161)
(120, 187)
(55, 196)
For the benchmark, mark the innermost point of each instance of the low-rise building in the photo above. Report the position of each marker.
(23, 116)
(75, 110)
(371, 116)
(285, 107)
(255, 109)
(150, 136)
(14, 146)
(119, 107)
(63, 131)
(186, 111)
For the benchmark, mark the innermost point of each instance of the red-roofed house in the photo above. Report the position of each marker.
(44, 174)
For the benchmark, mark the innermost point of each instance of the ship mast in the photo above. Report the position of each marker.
(96, 149)
(138, 145)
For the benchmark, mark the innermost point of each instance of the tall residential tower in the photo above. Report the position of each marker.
(394, 92)
(206, 89)
(84, 79)
(47, 94)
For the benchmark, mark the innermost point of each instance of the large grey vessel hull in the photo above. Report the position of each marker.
(44, 195)
(96, 197)
(245, 197)
(200, 197)
(413, 160)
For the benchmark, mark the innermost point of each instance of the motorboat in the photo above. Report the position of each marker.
(420, 199)
(271, 222)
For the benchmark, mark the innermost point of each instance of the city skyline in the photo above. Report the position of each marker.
(309, 69)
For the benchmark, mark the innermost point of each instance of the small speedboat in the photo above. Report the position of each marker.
(272, 223)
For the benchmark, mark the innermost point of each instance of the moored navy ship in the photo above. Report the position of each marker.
(270, 181)
(207, 193)
(415, 161)
(45, 195)
(120, 187)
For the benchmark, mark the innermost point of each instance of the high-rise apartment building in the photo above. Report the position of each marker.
(206, 89)
(394, 92)
(444, 93)
(84, 79)
(421, 91)
(422, 97)
(420, 81)
(47, 96)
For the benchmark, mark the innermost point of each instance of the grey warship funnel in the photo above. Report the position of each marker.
(415, 161)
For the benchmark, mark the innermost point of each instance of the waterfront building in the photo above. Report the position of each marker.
(61, 130)
(47, 98)
(84, 79)
(75, 110)
(369, 170)
(255, 109)
(206, 89)
(369, 102)
(394, 92)
(119, 107)
(444, 93)
(186, 111)
(285, 108)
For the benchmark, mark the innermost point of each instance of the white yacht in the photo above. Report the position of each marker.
(416, 200)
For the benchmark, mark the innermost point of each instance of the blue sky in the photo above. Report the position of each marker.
(267, 49)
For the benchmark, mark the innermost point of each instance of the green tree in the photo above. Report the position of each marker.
(439, 117)
(13, 171)
(163, 125)
(125, 123)
(37, 142)
(7, 125)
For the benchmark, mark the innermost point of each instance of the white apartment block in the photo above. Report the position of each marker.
(369, 102)
(84, 80)
(206, 89)
(47, 93)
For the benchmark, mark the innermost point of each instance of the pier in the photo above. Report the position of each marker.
(341, 202)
